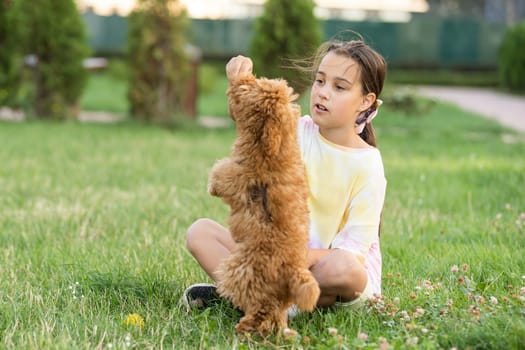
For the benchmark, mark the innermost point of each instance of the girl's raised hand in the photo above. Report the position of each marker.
(238, 66)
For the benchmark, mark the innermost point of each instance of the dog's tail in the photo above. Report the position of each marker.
(304, 289)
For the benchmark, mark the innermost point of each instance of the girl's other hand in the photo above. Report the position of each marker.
(238, 66)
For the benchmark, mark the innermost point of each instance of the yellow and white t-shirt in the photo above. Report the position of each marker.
(346, 195)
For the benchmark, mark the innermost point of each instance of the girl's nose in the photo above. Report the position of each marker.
(322, 92)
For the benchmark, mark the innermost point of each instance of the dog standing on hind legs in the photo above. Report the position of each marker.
(264, 183)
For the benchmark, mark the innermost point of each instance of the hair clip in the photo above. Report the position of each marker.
(364, 119)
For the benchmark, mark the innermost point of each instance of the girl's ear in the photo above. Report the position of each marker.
(368, 100)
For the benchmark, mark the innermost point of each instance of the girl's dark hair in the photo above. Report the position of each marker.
(372, 72)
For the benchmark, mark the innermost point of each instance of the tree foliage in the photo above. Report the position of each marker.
(511, 59)
(286, 31)
(158, 64)
(53, 32)
(10, 62)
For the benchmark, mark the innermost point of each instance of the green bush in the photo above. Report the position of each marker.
(158, 64)
(53, 31)
(286, 31)
(511, 62)
(118, 69)
(10, 61)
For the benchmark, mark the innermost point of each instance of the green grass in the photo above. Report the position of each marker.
(93, 218)
(487, 78)
(105, 92)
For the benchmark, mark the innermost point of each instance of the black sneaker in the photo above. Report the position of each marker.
(200, 296)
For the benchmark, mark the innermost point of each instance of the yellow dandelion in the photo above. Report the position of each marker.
(134, 320)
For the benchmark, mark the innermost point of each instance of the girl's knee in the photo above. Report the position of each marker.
(351, 270)
(196, 233)
(341, 270)
(204, 232)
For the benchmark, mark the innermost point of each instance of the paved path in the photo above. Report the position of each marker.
(509, 110)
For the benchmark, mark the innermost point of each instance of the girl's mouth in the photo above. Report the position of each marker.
(321, 107)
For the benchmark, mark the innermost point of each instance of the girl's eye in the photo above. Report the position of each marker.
(319, 81)
(338, 87)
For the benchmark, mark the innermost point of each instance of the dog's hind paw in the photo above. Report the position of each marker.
(289, 333)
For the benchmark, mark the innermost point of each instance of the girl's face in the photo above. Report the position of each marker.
(336, 97)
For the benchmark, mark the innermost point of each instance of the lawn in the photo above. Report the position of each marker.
(93, 218)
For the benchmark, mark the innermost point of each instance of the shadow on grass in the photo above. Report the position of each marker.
(121, 289)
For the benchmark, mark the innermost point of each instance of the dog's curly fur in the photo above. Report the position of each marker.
(264, 184)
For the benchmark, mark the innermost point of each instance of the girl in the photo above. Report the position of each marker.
(345, 178)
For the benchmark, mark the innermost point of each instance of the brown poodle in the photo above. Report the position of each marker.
(265, 186)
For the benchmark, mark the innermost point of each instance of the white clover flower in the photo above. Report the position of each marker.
(332, 331)
(404, 316)
(363, 336)
(383, 343)
(419, 311)
(412, 341)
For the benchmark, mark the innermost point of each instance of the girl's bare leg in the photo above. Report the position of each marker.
(340, 275)
(209, 243)
(338, 272)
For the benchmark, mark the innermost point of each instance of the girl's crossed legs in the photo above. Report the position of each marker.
(340, 276)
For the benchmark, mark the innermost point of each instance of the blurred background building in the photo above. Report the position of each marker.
(459, 34)
(228, 9)
(508, 11)
(500, 11)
